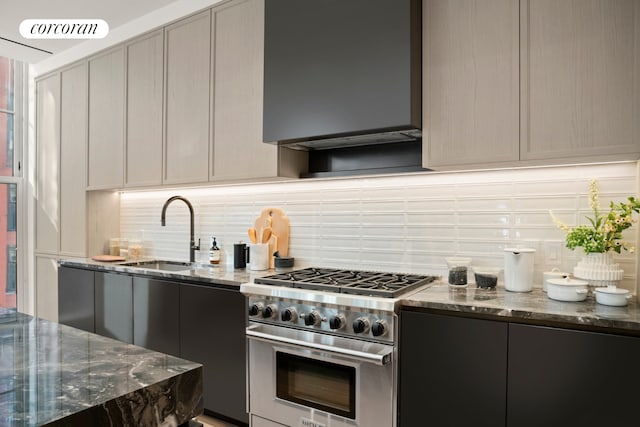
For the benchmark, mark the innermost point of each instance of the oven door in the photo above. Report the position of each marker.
(300, 378)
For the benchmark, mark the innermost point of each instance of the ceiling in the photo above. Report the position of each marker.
(12, 12)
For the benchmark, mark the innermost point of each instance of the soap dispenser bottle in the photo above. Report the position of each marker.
(214, 252)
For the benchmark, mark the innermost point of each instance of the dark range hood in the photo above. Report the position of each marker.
(342, 73)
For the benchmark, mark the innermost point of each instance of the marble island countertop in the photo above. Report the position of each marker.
(527, 306)
(56, 375)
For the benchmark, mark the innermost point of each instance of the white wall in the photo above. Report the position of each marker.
(405, 223)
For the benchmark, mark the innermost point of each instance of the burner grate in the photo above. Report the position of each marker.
(389, 285)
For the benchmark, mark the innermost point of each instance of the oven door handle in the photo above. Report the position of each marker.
(378, 354)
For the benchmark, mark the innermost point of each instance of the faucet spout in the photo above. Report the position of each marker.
(163, 221)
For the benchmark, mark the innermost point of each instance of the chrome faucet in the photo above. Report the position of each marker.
(192, 244)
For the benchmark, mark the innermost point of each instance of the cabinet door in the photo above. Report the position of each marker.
(446, 360)
(73, 161)
(47, 209)
(187, 102)
(114, 306)
(470, 82)
(156, 315)
(76, 298)
(144, 110)
(238, 41)
(212, 332)
(106, 120)
(561, 377)
(46, 300)
(581, 78)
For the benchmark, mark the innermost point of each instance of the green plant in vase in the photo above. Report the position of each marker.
(605, 230)
(602, 236)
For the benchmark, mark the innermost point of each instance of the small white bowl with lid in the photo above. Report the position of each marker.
(567, 289)
(612, 295)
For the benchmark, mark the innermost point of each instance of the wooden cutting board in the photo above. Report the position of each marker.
(279, 223)
(108, 258)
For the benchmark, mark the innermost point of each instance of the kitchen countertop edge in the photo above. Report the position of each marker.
(217, 275)
(526, 307)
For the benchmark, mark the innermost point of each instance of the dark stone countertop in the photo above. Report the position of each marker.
(202, 273)
(532, 306)
(56, 375)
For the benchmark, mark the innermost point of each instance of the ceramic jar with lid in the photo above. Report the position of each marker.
(567, 289)
(612, 295)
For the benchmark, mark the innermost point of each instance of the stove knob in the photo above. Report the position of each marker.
(289, 315)
(270, 312)
(312, 319)
(255, 309)
(337, 322)
(379, 328)
(361, 325)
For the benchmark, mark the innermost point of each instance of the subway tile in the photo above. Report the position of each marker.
(482, 219)
(400, 223)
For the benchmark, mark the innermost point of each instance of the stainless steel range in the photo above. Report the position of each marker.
(322, 346)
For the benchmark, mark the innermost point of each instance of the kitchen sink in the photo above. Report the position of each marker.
(161, 265)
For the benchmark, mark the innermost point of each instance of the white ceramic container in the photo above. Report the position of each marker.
(518, 269)
(567, 289)
(612, 295)
(555, 273)
(258, 256)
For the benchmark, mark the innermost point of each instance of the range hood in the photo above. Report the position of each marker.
(342, 73)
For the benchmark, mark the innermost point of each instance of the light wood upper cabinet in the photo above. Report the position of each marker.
(470, 81)
(238, 41)
(187, 47)
(581, 78)
(143, 142)
(73, 160)
(106, 120)
(47, 208)
(524, 82)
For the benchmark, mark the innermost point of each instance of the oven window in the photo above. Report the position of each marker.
(318, 384)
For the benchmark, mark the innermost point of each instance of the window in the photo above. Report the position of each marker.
(12, 269)
(11, 108)
(11, 207)
(7, 114)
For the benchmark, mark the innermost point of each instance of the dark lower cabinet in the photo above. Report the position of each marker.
(560, 377)
(212, 332)
(114, 306)
(452, 371)
(464, 371)
(76, 298)
(155, 315)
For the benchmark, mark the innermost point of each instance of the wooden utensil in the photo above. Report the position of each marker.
(253, 235)
(266, 235)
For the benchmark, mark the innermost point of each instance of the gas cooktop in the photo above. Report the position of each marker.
(380, 284)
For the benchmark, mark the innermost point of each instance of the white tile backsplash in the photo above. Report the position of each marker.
(400, 223)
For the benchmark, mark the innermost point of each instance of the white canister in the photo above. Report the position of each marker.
(555, 273)
(258, 256)
(518, 269)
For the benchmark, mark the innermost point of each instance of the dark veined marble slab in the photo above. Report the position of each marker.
(216, 275)
(524, 306)
(56, 375)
